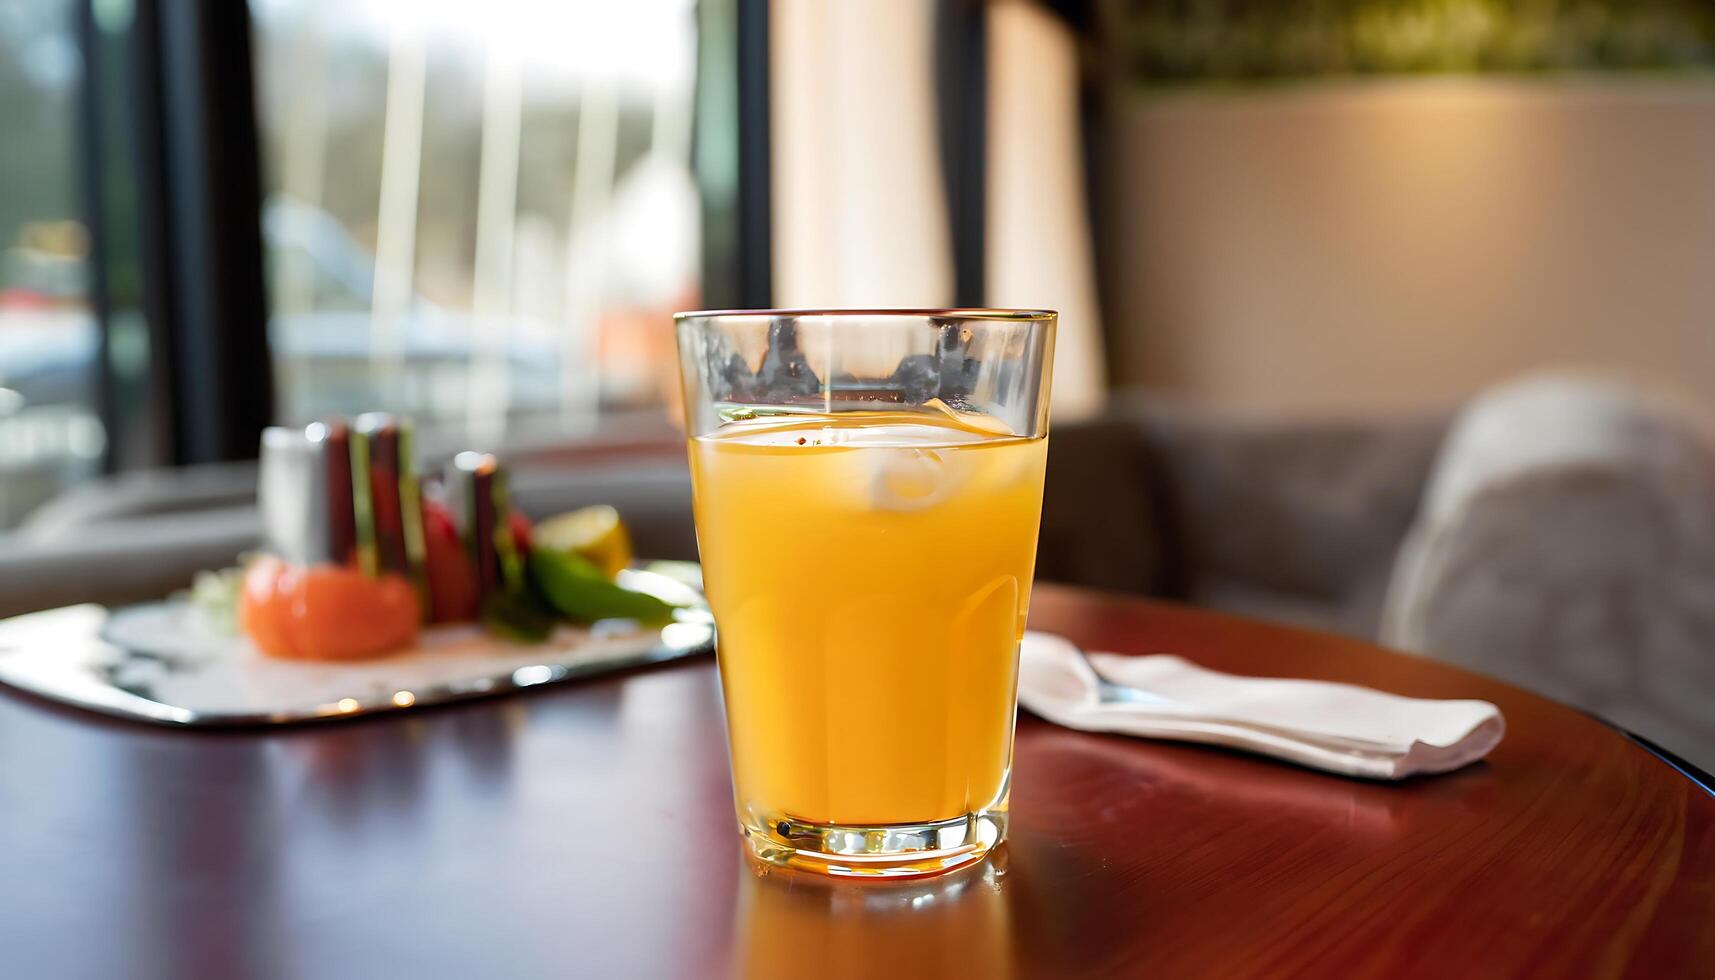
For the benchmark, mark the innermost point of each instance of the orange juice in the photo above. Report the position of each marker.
(869, 575)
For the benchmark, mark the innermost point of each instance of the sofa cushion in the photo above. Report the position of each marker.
(122, 561)
(1100, 519)
(1313, 511)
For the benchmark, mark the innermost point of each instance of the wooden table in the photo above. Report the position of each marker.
(588, 831)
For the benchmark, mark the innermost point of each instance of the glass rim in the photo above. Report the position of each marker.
(947, 313)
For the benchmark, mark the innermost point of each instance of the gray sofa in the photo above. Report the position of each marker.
(1559, 533)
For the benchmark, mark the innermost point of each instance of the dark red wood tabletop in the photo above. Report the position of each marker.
(587, 831)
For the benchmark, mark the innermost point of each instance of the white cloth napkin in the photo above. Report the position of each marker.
(1337, 727)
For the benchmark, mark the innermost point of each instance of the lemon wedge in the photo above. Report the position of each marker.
(595, 534)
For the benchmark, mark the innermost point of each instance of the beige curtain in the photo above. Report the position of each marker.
(859, 214)
(860, 217)
(1039, 248)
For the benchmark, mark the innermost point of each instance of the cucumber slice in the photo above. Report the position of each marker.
(578, 589)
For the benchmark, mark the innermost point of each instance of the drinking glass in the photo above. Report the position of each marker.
(868, 489)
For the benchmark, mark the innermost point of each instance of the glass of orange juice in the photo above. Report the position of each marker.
(868, 491)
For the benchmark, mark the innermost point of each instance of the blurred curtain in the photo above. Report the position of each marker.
(860, 216)
(1039, 249)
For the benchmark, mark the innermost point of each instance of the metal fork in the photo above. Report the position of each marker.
(1113, 692)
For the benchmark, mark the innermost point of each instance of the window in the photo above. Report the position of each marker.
(50, 430)
(482, 216)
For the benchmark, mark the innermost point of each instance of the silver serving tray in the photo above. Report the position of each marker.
(169, 663)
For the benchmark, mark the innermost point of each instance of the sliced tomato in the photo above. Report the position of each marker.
(452, 580)
(521, 530)
(326, 612)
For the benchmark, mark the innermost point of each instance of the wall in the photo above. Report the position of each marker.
(1389, 246)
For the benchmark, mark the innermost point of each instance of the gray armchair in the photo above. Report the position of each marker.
(1566, 543)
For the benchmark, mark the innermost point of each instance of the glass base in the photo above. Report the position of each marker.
(875, 851)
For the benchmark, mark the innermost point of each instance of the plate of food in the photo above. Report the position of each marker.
(374, 590)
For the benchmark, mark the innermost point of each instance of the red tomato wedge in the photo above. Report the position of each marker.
(521, 528)
(326, 612)
(452, 580)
